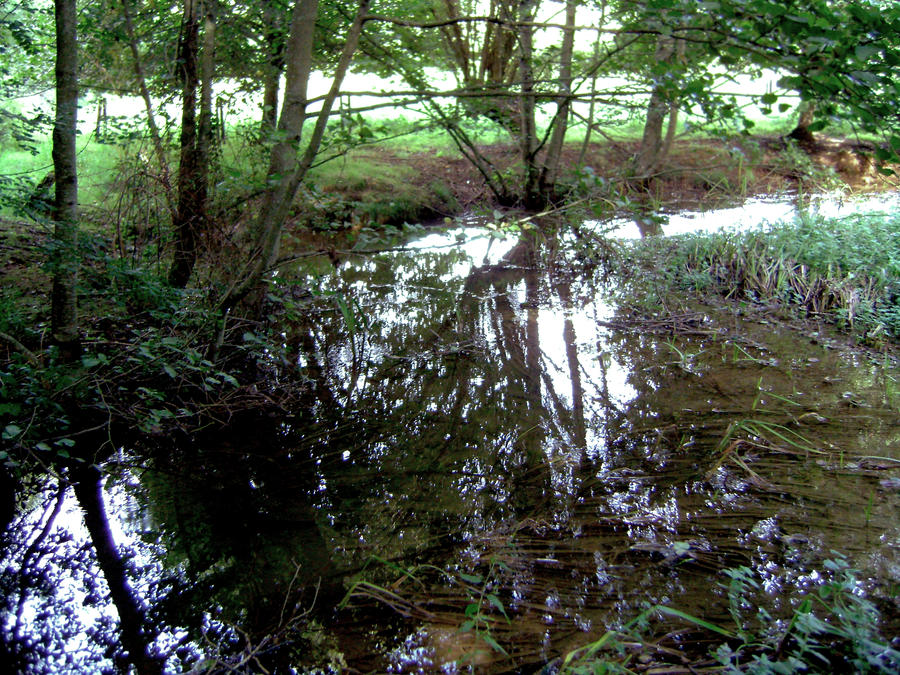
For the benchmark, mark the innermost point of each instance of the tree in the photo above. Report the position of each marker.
(193, 170)
(274, 29)
(841, 55)
(286, 170)
(64, 313)
(660, 106)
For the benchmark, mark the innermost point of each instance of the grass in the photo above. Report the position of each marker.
(844, 269)
(97, 162)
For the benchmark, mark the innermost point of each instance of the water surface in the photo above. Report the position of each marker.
(487, 422)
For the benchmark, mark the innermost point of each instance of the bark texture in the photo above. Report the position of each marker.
(64, 314)
(528, 106)
(659, 108)
(285, 170)
(550, 170)
(190, 211)
(273, 27)
(801, 132)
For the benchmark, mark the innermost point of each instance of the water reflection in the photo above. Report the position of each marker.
(487, 413)
(751, 213)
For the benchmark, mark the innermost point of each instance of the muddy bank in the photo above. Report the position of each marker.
(698, 171)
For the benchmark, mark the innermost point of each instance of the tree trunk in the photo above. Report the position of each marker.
(64, 260)
(592, 106)
(660, 105)
(801, 132)
(274, 38)
(148, 106)
(285, 171)
(531, 193)
(484, 62)
(191, 194)
(205, 131)
(135, 638)
(550, 170)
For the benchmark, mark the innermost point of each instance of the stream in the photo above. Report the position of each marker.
(493, 437)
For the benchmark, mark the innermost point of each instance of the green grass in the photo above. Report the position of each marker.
(97, 163)
(847, 268)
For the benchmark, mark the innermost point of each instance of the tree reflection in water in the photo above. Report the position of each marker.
(501, 420)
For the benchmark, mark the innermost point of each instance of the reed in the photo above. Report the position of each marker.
(844, 270)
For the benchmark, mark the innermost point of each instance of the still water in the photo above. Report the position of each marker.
(490, 429)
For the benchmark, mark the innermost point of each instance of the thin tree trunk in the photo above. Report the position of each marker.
(550, 170)
(155, 136)
(64, 313)
(189, 214)
(205, 129)
(672, 125)
(274, 37)
(135, 637)
(528, 106)
(649, 157)
(593, 103)
(669, 140)
(285, 172)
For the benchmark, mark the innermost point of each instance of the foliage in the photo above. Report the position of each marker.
(843, 268)
(832, 628)
(143, 372)
(479, 616)
(841, 55)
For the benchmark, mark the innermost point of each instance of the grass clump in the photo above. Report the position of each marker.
(843, 269)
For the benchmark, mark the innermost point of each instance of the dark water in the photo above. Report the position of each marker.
(484, 422)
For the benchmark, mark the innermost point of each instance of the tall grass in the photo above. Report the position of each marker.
(845, 269)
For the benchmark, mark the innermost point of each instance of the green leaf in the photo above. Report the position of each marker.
(471, 578)
(681, 547)
(90, 361)
(495, 601)
(864, 52)
(169, 370)
(11, 431)
(768, 98)
(489, 639)
(43, 447)
(65, 442)
(695, 620)
(472, 609)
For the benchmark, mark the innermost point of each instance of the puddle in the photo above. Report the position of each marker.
(483, 435)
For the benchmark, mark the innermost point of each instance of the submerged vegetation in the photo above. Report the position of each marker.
(830, 629)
